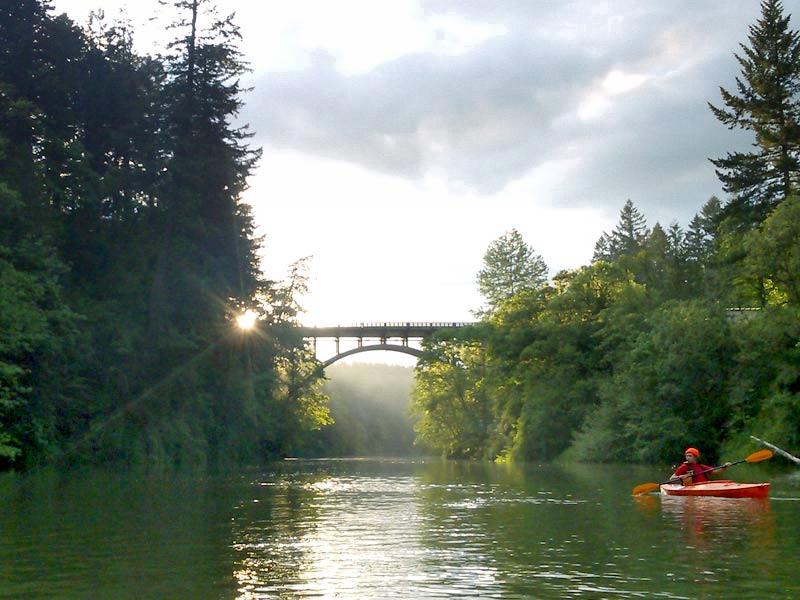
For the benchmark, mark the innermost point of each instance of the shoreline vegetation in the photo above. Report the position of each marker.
(126, 254)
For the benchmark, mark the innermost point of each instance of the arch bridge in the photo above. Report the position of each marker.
(394, 337)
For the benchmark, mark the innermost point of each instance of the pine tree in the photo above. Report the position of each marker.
(208, 250)
(510, 267)
(602, 248)
(675, 239)
(630, 233)
(627, 238)
(765, 103)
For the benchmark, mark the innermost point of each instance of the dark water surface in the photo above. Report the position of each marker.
(360, 529)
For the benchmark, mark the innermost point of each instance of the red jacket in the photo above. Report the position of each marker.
(696, 470)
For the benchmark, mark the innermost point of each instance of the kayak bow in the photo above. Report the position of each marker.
(720, 488)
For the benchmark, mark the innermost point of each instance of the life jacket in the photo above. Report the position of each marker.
(698, 476)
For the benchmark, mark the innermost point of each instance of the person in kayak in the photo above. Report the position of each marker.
(692, 471)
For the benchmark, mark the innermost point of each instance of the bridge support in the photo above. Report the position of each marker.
(390, 347)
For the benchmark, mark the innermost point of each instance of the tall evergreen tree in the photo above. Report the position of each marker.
(208, 230)
(627, 238)
(602, 248)
(765, 103)
(510, 266)
(702, 234)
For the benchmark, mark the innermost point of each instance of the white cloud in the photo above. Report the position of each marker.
(619, 82)
(601, 99)
(594, 107)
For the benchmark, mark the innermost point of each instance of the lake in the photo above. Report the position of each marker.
(383, 528)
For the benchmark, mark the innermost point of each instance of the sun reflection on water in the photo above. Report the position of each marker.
(358, 538)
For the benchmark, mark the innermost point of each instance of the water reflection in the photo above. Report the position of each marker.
(391, 529)
(350, 537)
(708, 520)
(466, 530)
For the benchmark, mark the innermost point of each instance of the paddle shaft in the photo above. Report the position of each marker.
(780, 451)
(703, 472)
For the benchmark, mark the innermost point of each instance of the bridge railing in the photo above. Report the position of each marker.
(388, 329)
(421, 324)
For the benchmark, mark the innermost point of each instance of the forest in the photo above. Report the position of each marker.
(670, 337)
(127, 252)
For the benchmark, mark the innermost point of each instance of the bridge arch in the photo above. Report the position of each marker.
(390, 347)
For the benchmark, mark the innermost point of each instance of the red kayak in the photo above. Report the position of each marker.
(720, 488)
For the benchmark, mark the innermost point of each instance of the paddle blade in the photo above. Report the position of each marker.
(759, 456)
(645, 488)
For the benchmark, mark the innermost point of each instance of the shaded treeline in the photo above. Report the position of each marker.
(635, 356)
(369, 405)
(125, 251)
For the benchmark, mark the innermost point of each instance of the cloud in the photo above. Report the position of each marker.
(620, 94)
(482, 117)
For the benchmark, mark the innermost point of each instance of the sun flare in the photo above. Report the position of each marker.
(246, 320)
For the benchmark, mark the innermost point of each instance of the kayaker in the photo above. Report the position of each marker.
(692, 471)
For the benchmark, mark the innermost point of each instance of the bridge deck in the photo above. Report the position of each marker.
(380, 330)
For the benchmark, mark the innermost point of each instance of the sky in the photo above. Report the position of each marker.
(400, 138)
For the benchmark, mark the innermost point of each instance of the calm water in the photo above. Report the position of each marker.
(392, 529)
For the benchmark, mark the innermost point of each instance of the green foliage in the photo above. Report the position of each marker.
(668, 390)
(773, 252)
(510, 267)
(764, 391)
(633, 357)
(626, 360)
(450, 405)
(126, 252)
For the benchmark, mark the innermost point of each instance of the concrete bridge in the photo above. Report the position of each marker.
(394, 337)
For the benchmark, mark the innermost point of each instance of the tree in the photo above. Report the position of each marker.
(125, 249)
(702, 234)
(510, 266)
(766, 104)
(773, 251)
(207, 252)
(36, 330)
(765, 388)
(669, 387)
(627, 238)
(450, 408)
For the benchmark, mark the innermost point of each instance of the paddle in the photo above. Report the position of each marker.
(755, 457)
(780, 451)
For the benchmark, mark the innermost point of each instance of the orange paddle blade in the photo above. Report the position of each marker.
(645, 488)
(759, 456)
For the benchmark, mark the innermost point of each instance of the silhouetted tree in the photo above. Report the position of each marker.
(627, 238)
(765, 103)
